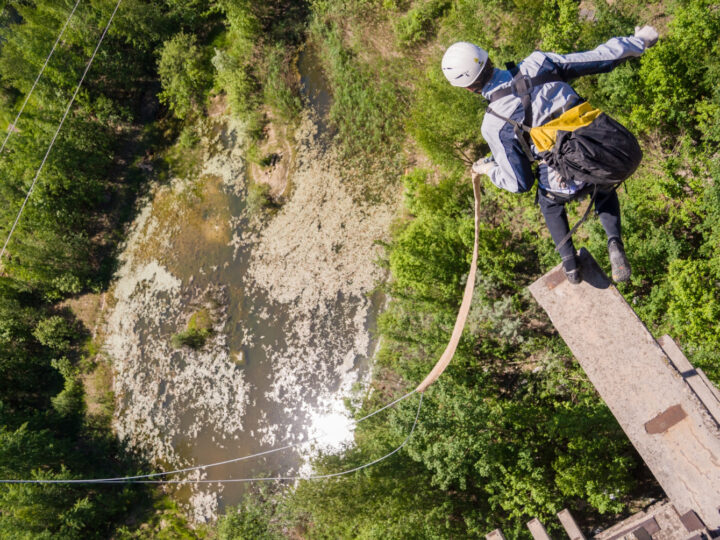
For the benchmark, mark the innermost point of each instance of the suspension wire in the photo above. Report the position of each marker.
(12, 126)
(143, 479)
(286, 478)
(57, 132)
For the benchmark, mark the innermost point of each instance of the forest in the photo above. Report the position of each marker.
(513, 429)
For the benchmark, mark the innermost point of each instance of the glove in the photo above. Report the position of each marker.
(483, 166)
(648, 34)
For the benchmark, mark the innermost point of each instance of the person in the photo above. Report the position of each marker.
(468, 66)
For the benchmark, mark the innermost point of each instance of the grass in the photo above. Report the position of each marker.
(200, 320)
(368, 106)
(99, 396)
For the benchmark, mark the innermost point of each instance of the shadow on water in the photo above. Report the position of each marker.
(315, 89)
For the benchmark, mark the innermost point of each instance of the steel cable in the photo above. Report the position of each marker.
(12, 126)
(57, 132)
(143, 479)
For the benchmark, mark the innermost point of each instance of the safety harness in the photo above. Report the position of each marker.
(522, 87)
(582, 144)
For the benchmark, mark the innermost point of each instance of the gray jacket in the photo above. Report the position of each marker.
(512, 169)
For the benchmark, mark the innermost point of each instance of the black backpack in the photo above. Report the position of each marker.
(603, 152)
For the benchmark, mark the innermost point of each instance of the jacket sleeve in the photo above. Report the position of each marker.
(512, 170)
(599, 60)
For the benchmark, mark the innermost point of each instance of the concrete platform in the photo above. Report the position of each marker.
(662, 416)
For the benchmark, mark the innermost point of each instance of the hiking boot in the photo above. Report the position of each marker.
(618, 261)
(573, 276)
(571, 269)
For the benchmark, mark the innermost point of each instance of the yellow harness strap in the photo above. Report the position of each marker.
(580, 116)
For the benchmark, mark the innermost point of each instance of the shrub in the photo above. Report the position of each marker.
(446, 121)
(259, 198)
(279, 90)
(235, 78)
(251, 519)
(694, 308)
(70, 401)
(419, 24)
(56, 332)
(198, 330)
(561, 26)
(192, 337)
(183, 74)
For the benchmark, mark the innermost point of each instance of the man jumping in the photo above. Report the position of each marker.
(467, 66)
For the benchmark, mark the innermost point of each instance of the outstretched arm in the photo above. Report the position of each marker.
(605, 57)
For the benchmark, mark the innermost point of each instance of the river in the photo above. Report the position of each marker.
(292, 304)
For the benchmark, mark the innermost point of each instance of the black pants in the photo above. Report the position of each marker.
(552, 205)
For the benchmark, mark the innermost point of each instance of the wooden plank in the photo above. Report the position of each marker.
(714, 389)
(537, 529)
(571, 527)
(679, 360)
(495, 535)
(702, 387)
(635, 378)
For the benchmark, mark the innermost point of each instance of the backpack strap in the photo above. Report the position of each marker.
(522, 87)
(522, 132)
(545, 78)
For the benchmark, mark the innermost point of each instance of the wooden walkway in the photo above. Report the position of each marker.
(659, 522)
(668, 410)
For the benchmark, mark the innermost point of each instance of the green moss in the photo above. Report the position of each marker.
(198, 330)
(200, 320)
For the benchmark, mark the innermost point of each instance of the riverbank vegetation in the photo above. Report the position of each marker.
(513, 429)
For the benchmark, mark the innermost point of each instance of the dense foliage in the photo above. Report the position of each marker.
(63, 245)
(180, 52)
(513, 430)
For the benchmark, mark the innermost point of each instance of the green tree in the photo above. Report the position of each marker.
(55, 332)
(184, 75)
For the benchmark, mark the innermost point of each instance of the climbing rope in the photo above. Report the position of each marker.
(57, 132)
(12, 126)
(143, 479)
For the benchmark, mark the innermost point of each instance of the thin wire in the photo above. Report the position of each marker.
(138, 479)
(12, 127)
(286, 478)
(62, 121)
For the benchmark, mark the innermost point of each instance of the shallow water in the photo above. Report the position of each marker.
(292, 338)
(314, 86)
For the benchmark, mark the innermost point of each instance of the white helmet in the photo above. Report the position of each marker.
(463, 62)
